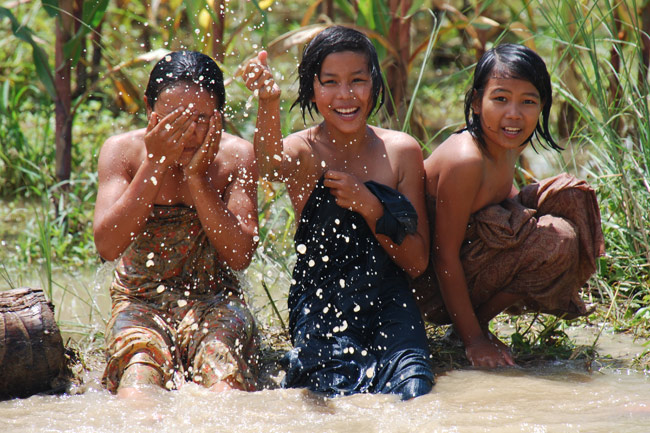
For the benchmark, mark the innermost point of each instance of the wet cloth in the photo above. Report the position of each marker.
(354, 323)
(542, 244)
(177, 308)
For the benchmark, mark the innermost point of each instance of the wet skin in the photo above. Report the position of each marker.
(464, 177)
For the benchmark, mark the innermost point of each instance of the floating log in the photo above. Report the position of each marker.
(31, 349)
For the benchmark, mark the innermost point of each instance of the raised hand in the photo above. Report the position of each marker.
(258, 76)
(166, 137)
(203, 157)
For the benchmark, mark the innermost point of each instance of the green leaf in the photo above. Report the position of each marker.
(346, 8)
(93, 12)
(41, 63)
(415, 6)
(51, 7)
(366, 14)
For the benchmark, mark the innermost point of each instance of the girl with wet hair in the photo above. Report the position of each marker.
(511, 61)
(494, 247)
(333, 40)
(359, 192)
(186, 67)
(177, 209)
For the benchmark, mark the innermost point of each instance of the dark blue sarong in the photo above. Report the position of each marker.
(354, 323)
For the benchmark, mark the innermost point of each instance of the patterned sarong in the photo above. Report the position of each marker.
(542, 244)
(178, 309)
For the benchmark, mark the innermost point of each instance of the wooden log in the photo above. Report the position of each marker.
(32, 355)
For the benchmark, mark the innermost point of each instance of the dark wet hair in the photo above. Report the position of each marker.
(335, 39)
(186, 67)
(511, 61)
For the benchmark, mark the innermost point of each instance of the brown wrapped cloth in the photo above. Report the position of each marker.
(542, 244)
(178, 309)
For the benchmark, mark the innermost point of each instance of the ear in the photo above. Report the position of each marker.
(146, 107)
(476, 103)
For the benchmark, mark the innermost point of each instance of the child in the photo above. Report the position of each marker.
(359, 191)
(177, 206)
(494, 247)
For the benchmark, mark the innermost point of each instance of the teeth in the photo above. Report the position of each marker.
(512, 129)
(346, 110)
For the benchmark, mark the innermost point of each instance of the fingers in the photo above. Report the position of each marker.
(258, 77)
(153, 121)
(509, 360)
(179, 118)
(204, 156)
(262, 56)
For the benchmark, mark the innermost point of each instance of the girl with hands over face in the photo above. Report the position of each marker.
(177, 206)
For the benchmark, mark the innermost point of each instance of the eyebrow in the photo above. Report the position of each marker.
(334, 74)
(501, 89)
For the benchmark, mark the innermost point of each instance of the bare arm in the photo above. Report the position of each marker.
(268, 132)
(412, 254)
(458, 185)
(228, 217)
(124, 200)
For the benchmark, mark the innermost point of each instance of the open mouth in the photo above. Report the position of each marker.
(347, 112)
(511, 131)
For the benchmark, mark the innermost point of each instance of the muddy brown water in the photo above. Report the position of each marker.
(550, 397)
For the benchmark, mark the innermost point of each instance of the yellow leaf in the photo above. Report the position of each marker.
(265, 4)
(205, 20)
(524, 33)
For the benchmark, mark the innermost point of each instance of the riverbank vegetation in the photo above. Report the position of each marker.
(598, 53)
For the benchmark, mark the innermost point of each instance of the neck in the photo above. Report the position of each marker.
(343, 143)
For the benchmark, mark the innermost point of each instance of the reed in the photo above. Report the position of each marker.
(609, 94)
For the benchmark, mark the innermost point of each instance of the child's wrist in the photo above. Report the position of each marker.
(270, 97)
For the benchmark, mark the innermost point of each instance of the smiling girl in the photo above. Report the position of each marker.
(494, 247)
(359, 191)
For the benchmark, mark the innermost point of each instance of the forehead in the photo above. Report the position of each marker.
(511, 85)
(345, 62)
(183, 94)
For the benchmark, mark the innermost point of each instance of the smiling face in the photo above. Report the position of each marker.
(195, 98)
(343, 92)
(509, 111)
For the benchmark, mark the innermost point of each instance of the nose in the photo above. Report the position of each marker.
(514, 111)
(346, 91)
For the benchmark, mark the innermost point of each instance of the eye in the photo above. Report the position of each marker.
(499, 98)
(530, 102)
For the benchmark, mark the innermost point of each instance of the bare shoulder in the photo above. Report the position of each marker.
(125, 141)
(459, 150)
(124, 150)
(236, 149)
(299, 144)
(397, 140)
